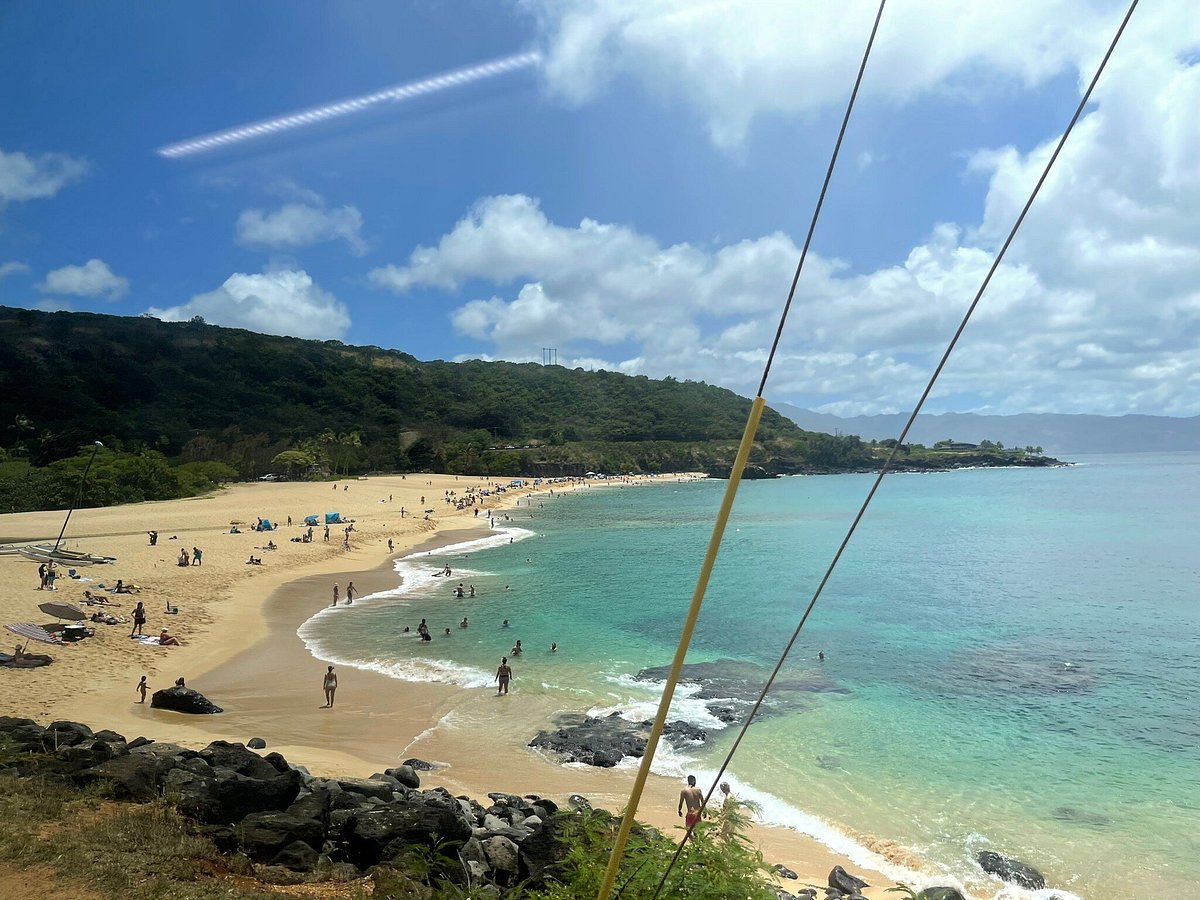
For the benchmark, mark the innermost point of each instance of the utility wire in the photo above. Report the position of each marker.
(714, 544)
(904, 432)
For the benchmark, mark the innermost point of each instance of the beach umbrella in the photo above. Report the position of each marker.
(62, 610)
(33, 633)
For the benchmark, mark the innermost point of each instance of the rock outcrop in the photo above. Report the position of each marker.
(184, 700)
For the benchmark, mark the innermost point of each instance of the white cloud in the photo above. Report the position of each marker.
(285, 302)
(33, 177)
(13, 268)
(93, 279)
(1097, 308)
(736, 61)
(301, 223)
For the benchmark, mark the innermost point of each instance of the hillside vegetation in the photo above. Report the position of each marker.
(181, 407)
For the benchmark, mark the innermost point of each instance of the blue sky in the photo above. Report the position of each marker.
(636, 198)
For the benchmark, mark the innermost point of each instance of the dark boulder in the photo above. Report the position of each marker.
(256, 744)
(406, 775)
(370, 836)
(65, 734)
(265, 835)
(1011, 870)
(843, 881)
(784, 872)
(184, 700)
(297, 856)
(419, 765)
(941, 893)
(139, 741)
(23, 735)
(132, 777)
(224, 755)
(227, 797)
(380, 790)
(278, 763)
(109, 737)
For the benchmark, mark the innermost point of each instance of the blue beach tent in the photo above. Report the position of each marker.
(310, 520)
(265, 525)
(332, 518)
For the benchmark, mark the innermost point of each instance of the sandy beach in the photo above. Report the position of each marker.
(237, 626)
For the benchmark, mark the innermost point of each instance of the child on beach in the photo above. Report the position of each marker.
(142, 688)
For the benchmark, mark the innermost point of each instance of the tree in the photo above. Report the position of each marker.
(294, 460)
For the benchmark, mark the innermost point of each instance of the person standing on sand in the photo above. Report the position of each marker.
(141, 688)
(350, 592)
(197, 556)
(693, 797)
(330, 685)
(327, 526)
(504, 674)
(391, 547)
(337, 594)
(42, 577)
(139, 619)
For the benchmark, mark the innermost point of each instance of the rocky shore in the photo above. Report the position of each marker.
(289, 822)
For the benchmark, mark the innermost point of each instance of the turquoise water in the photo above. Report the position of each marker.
(1012, 655)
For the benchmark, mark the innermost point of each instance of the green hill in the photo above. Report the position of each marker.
(191, 393)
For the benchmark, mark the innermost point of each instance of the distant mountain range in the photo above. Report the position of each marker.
(1055, 434)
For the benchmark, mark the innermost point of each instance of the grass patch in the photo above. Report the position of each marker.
(66, 836)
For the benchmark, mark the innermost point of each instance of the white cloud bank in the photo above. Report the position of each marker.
(1096, 310)
(93, 279)
(301, 224)
(25, 177)
(284, 302)
(738, 60)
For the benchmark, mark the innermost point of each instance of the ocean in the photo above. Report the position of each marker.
(1012, 656)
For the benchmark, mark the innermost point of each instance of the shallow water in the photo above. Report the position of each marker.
(1012, 655)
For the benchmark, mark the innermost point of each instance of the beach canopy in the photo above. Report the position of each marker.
(310, 520)
(61, 610)
(332, 518)
(34, 633)
(265, 525)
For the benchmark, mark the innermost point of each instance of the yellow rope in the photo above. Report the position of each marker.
(685, 639)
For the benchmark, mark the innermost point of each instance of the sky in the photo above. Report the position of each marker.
(629, 184)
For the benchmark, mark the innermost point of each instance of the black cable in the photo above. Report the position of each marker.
(904, 432)
(812, 225)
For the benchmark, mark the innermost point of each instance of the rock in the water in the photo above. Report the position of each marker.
(256, 744)
(184, 700)
(682, 734)
(419, 764)
(784, 871)
(602, 741)
(843, 881)
(1011, 870)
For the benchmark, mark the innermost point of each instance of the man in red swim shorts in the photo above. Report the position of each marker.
(693, 797)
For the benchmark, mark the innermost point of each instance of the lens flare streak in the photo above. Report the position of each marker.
(398, 93)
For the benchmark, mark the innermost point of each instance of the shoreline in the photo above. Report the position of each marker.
(255, 665)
